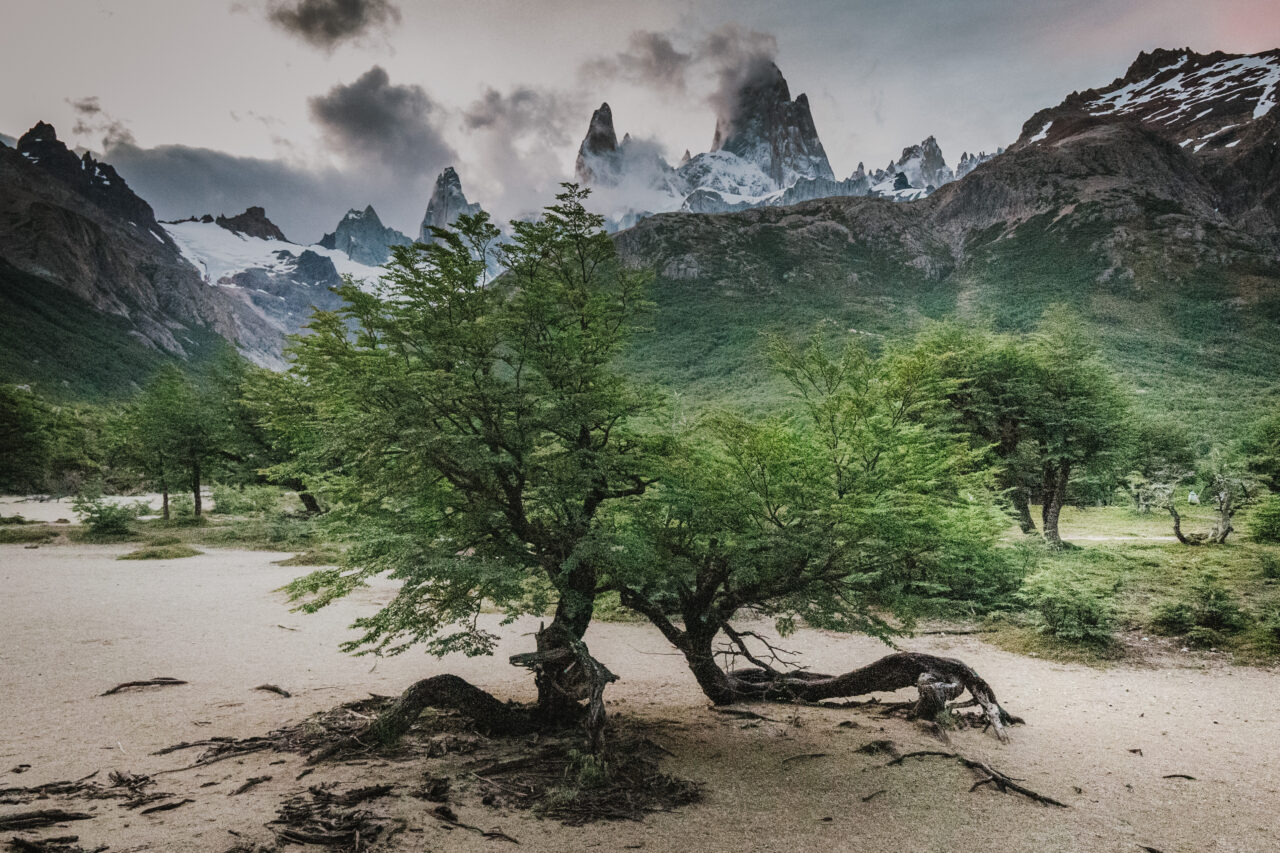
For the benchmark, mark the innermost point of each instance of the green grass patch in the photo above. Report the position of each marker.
(313, 557)
(161, 552)
(26, 535)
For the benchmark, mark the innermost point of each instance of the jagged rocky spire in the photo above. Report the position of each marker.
(447, 203)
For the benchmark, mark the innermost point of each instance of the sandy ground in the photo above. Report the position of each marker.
(50, 511)
(76, 622)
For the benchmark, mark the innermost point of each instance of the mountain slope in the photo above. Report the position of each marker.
(1101, 210)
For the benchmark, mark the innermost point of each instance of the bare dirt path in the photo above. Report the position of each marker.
(75, 622)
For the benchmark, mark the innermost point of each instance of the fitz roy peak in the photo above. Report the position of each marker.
(765, 152)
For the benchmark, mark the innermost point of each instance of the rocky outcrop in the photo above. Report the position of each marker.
(447, 203)
(252, 223)
(95, 181)
(597, 155)
(364, 238)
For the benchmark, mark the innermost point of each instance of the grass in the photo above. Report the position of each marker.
(161, 552)
(1126, 559)
(323, 556)
(27, 535)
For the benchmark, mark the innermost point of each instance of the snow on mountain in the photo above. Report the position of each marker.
(1206, 103)
(219, 254)
(765, 152)
(8, 141)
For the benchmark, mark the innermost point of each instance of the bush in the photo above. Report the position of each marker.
(1270, 566)
(1264, 521)
(14, 519)
(1269, 624)
(246, 500)
(1071, 613)
(104, 518)
(1207, 612)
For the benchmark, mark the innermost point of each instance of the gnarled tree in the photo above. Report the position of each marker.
(867, 503)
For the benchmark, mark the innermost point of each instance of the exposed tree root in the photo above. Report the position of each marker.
(139, 685)
(40, 818)
(938, 680)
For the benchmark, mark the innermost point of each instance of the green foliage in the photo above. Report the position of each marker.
(103, 517)
(1210, 610)
(860, 503)
(1070, 611)
(1261, 449)
(14, 519)
(1270, 564)
(245, 500)
(161, 552)
(1264, 520)
(470, 433)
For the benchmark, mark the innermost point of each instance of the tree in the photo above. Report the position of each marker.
(1260, 448)
(483, 433)
(25, 440)
(1047, 406)
(865, 503)
(1227, 482)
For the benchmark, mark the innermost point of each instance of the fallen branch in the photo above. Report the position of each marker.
(272, 688)
(166, 806)
(993, 777)
(138, 685)
(253, 782)
(40, 818)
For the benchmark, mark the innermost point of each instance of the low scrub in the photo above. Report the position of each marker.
(1205, 615)
(1069, 611)
(1264, 521)
(103, 518)
(26, 535)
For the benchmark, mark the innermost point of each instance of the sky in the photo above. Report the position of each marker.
(311, 107)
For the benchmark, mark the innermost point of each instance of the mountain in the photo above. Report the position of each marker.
(95, 293)
(1136, 204)
(764, 127)
(446, 204)
(765, 152)
(363, 237)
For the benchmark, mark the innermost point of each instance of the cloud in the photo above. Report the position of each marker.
(92, 120)
(327, 23)
(378, 124)
(514, 147)
(651, 59)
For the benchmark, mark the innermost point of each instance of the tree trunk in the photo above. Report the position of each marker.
(164, 503)
(1023, 506)
(1055, 495)
(195, 484)
(1222, 528)
(309, 503)
(558, 688)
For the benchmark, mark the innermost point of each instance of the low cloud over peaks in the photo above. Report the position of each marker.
(327, 23)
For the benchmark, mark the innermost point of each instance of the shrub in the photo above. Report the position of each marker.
(104, 518)
(1269, 624)
(14, 519)
(1270, 566)
(1203, 638)
(1173, 617)
(1071, 613)
(1208, 611)
(245, 500)
(1264, 521)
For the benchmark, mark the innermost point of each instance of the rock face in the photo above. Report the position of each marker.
(447, 203)
(97, 182)
(763, 126)
(364, 238)
(72, 223)
(252, 223)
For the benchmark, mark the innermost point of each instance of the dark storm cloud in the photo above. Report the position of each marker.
(378, 124)
(327, 23)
